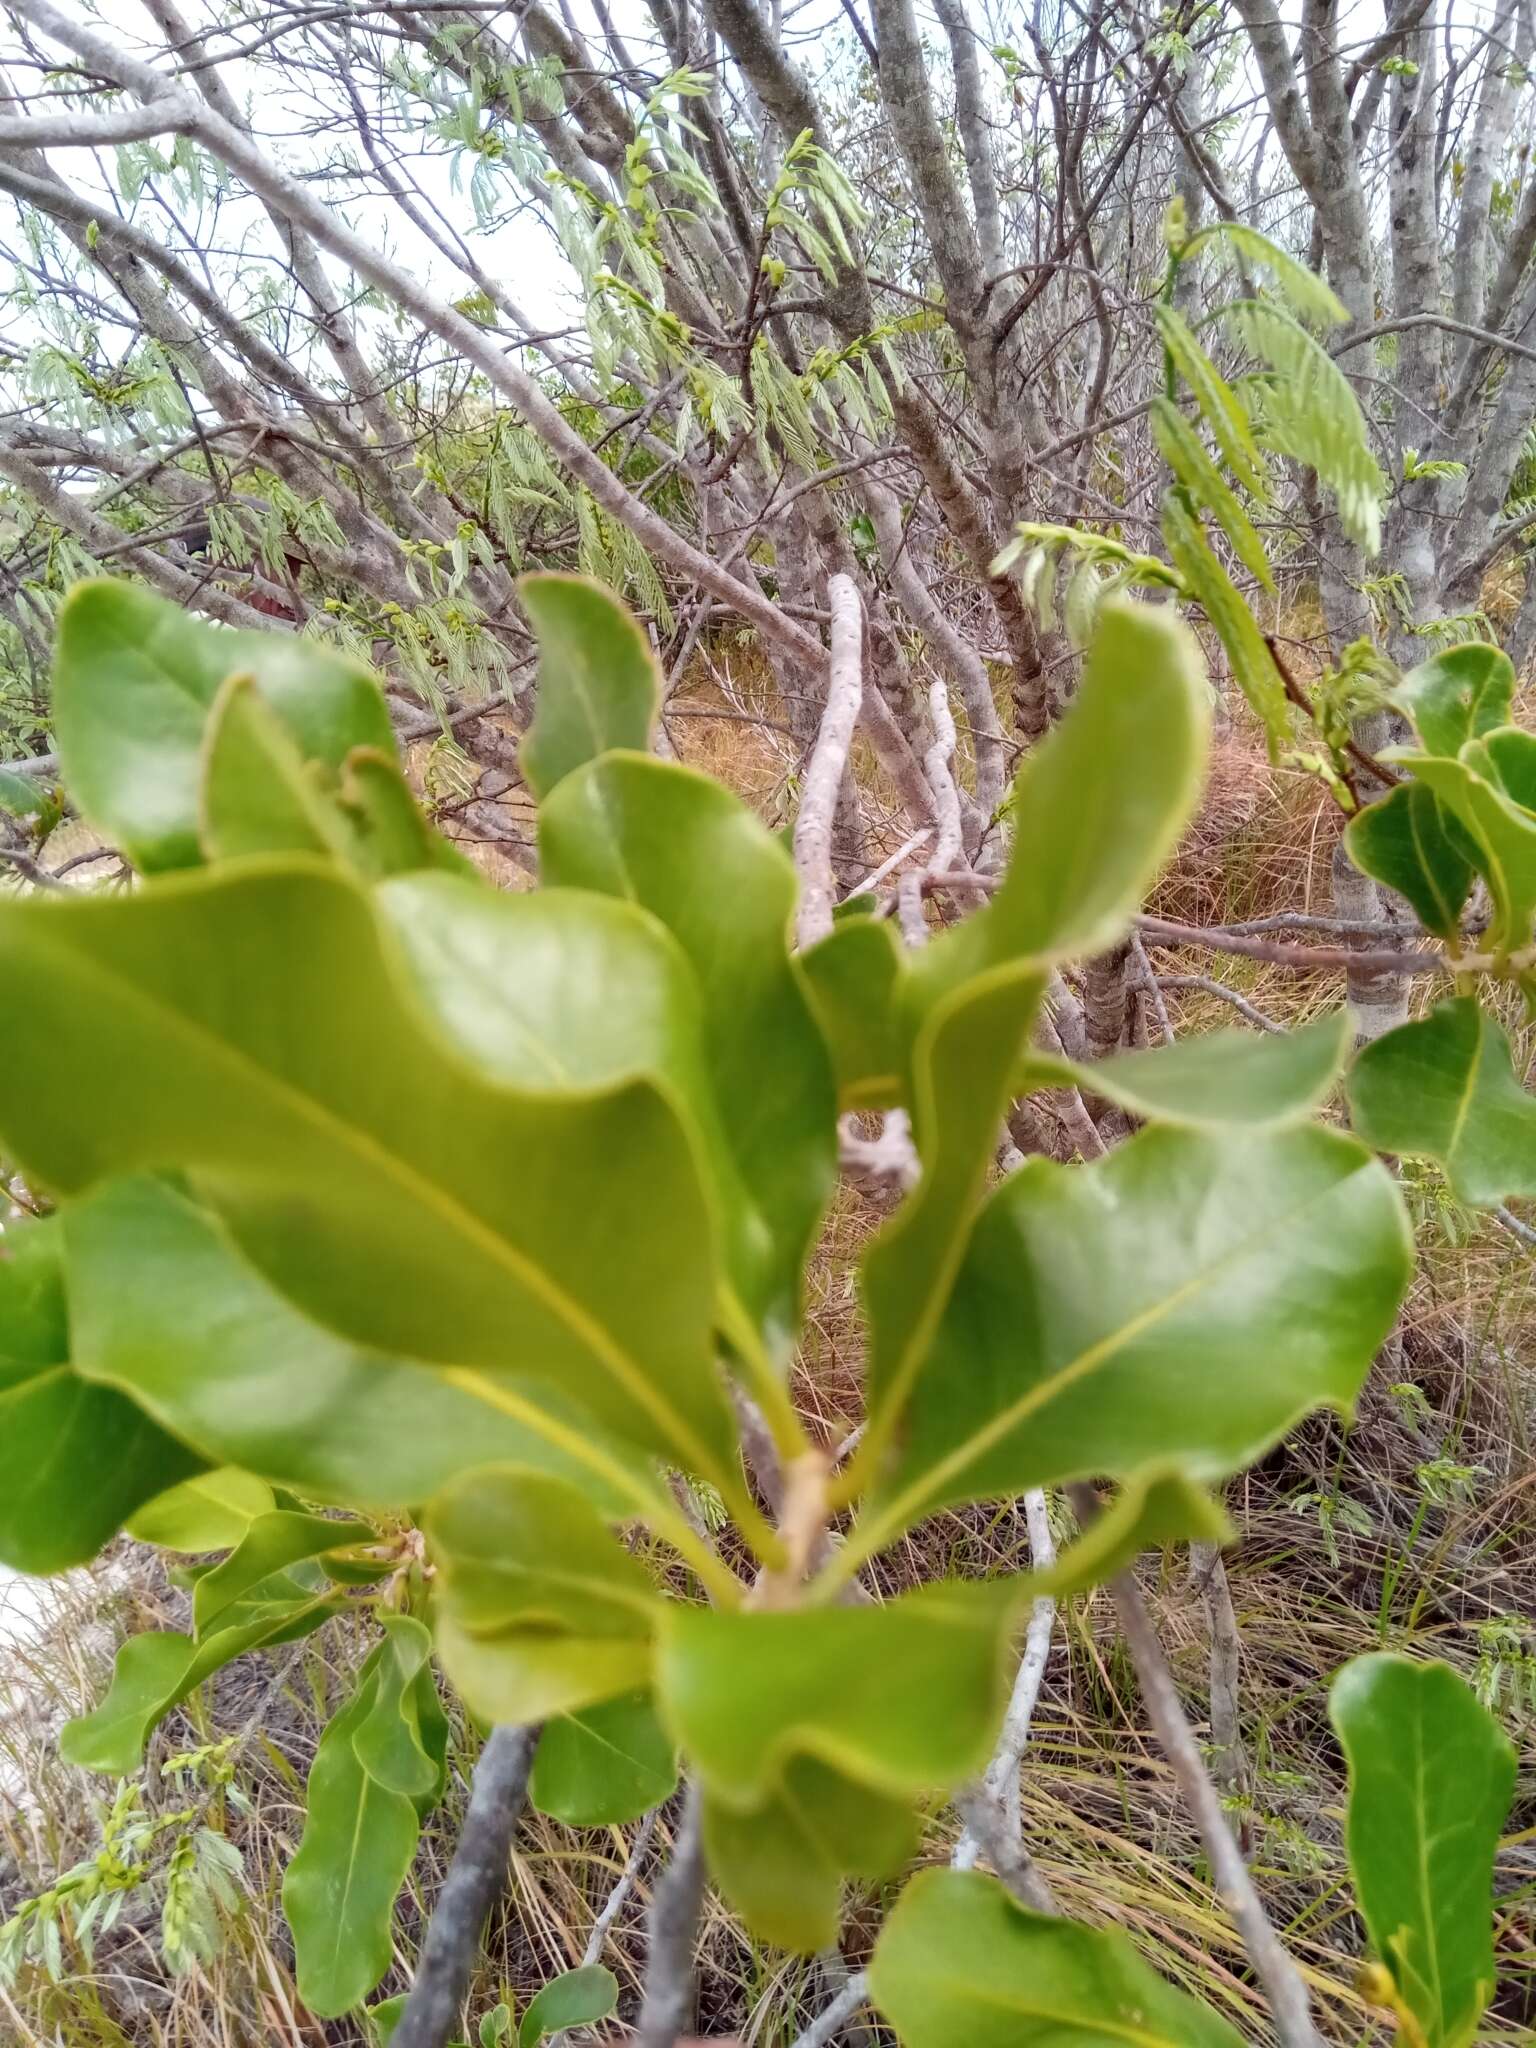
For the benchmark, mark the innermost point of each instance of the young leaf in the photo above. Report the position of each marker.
(960, 1965)
(1445, 1088)
(165, 1308)
(156, 1671)
(648, 831)
(1403, 842)
(607, 1764)
(339, 1890)
(1184, 453)
(258, 794)
(135, 677)
(22, 796)
(357, 1160)
(852, 979)
(580, 1998)
(540, 1610)
(1498, 835)
(1105, 1315)
(391, 1744)
(904, 1698)
(76, 1460)
(211, 1511)
(1430, 1779)
(1506, 757)
(782, 1865)
(599, 687)
(1457, 695)
(270, 1544)
(1216, 399)
(1252, 663)
(1218, 1079)
(1310, 297)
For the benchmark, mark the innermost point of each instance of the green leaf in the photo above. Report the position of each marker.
(496, 2026)
(76, 1460)
(134, 680)
(599, 687)
(155, 1671)
(1499, 836)
(540, 1609)
(1217, 1079)
(1155, 1509)
(1097, 807)
(1106, 1317)
(782, 1865)
(1445, 1088)
(1253, 665)
(271, 1543)
(1184, 453)
(384, 2017)
(22, 796)
(392, 1744)
(1402, 841)
(1430, 1779)
(212, 1511)
(1311, 414)
(339, 1890)
(1311, 298)
(852, 979)
(1506, 757)
(580, 1998)
(1457, 695)
(357, 1160)
(166, 1309)
(1218, 402)
(960, 1965)
(903, 1698)
(647, 831)
(610, 1763)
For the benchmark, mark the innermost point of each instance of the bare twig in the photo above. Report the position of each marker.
(613, 1905)
(829, 758)
(668, 2004)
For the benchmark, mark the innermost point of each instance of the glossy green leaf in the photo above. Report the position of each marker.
(76, 1460)
(156, 1671)
(609, 1763)
(1445, 1088)
(393, 1746)
(693, 855)
(211, 1511)
(134, 680)
(496, 2026)
(22, 796)
(358, 1161)
(782, 1865)
(1403, 842)
(1153, 1510)
(166, 1309)
(339, 1890)
(270, 1544)
(599, 687)
(960, 1965)
(903, 1697)
(579, 1998)
(1430, 1779)
(853, 979)
(1181, 1302)
(1457, 695)
(1497, 834)
(540, 1610)
(1506, 757)
(1218, 1078)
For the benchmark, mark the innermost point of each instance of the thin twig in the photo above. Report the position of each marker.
(667, 2007)
(473, 1884)
(833, 2017)
(1212, 987)
(614, 1904)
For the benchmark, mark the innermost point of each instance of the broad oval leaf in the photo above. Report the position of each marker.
(1219, 1078)
(1182, 1301)
(76, 1460)
(960, 1965)
(166, 1309)
(1430, 1779)
(578, 1998)
(134, 679)
(339, 1890)
(270, 1544)
(358, 1160)
(693, 855)
(1495, 833)
(1457, 695)
(599, 687)
(212, 1511)
(540, 1609)
(853, 979)
(609, 1763)
(400, 1740)
(1403, 842)
(1445, 1088)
